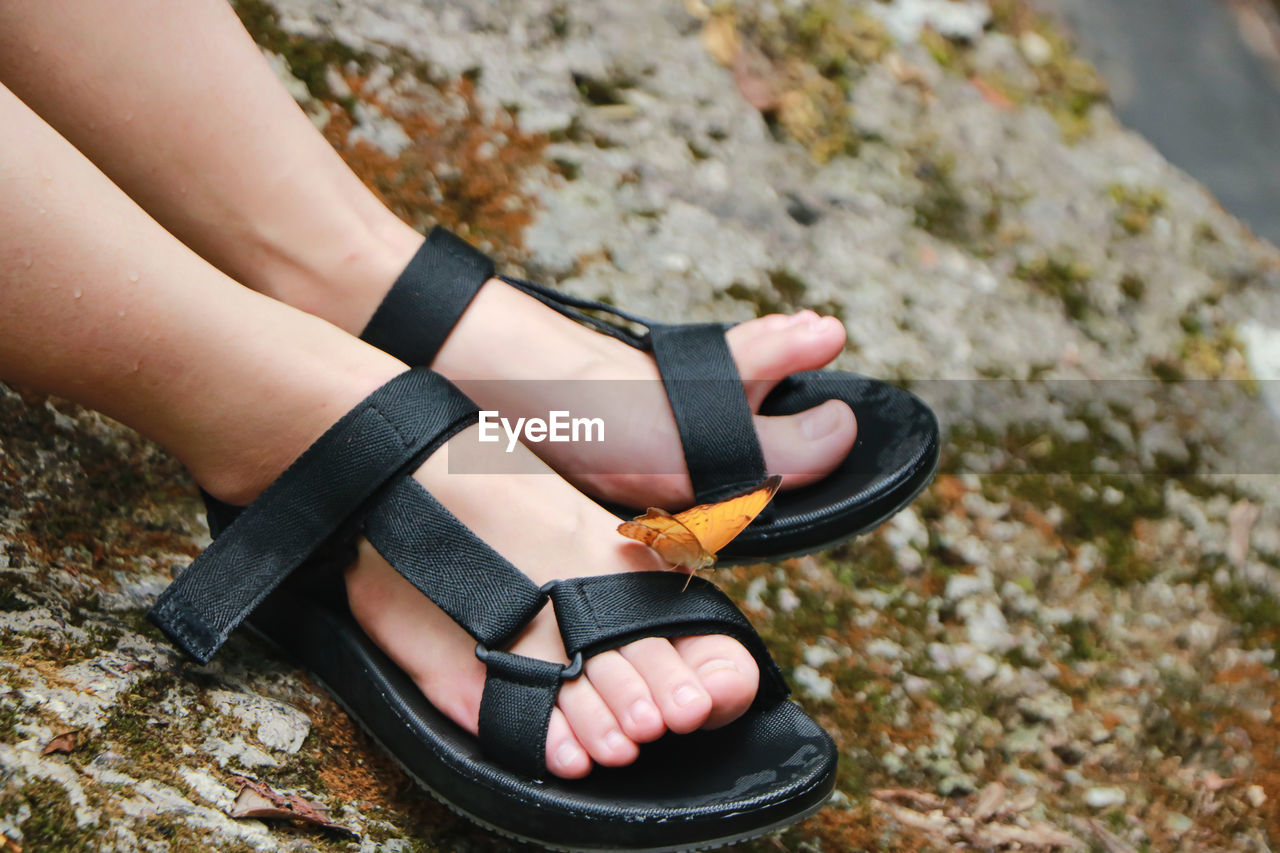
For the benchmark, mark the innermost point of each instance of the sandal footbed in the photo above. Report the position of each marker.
(892, 460)
(769, 768)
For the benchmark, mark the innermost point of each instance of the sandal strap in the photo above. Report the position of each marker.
(394, 427)
(596, 614)
(486, 595)
(428, 298)
(721, 449)
(603, 612)
(515, 710)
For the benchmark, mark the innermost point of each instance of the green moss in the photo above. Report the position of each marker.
(1065, 85)
(52, 822)
(602, 92)
(1136, 207)
(1133, 287)
(1062, 278)
(840, 39)
(309, 59)
(1255, 610)
(785, 295)
(941, 209)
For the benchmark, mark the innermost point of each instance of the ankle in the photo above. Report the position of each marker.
(235, 456)
(343, 277)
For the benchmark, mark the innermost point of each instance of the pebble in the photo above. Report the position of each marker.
(814, 684)
(1101, 798)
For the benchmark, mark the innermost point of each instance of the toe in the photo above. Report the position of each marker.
(594, 725)
(627, 696)
(767, 350)
(727, 671)
(805, 447)
(684, 703)
(565, 755)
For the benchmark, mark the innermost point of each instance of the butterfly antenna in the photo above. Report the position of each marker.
(688, 580)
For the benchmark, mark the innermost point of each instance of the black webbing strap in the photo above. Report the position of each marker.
(486, 595)
(515, 710)
(424, 304)
(606, 611)
(384, 435)
(707, 396)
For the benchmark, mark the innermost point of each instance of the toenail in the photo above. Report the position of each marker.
(568, 755)
(819, 423)
(642, 711)
(686, 694)
(816, 323)
(719, 663)
(615, 741)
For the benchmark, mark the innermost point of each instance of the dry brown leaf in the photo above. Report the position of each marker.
(989, 801)
(1108, 840)
(1038, 836)
(1240, 521)
(256, 800)
(991, 94)
(1213, 782)
(934, 822)
(758, 79)
(720, 38)
(923, 800)
(62, 743)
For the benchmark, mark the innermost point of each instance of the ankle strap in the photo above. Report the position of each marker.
(322, 492)
(427, 300)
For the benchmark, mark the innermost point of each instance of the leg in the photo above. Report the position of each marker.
(195, 127)
(100, 305)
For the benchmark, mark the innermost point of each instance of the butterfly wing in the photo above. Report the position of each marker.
(716, 525)
(667, 535)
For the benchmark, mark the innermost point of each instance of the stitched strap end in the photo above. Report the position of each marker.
(182, 624)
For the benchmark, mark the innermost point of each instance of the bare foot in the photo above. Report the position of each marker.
(507, 335)
(626, 697)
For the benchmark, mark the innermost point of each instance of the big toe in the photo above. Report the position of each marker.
(727, 671)
(768, 349)
(807, 446)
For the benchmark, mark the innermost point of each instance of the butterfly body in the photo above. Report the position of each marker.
(691, 538)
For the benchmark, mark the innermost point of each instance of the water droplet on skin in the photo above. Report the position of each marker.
(133, 277)
(77, 293)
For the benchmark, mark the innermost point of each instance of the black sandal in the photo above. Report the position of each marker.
(768, 769)
(893, 459)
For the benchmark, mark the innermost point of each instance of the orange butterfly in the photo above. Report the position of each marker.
(692, 538)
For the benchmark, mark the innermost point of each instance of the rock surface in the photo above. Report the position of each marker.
(1068, 642)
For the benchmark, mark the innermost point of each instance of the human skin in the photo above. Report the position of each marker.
(175, 103)
(102, 306)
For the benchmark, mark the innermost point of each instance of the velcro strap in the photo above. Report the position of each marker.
(606, 611)
(426, 301)
(324, 488)
(452, 566)
(515, 711)
(705, 390)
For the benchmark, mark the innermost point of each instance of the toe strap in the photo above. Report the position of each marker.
(515, 712)
(596, 614)
(606, 611)
(710, 405)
